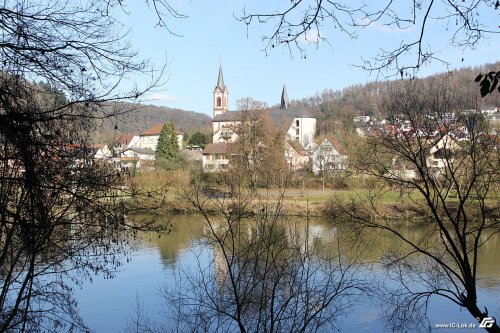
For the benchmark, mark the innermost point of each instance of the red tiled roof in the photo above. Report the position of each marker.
(98, 146)
(337, 145)
(297, 147)
(155, 130)
(124, 138)
(216, 148)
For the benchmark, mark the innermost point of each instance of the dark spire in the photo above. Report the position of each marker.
(284, 98)
(220, 81)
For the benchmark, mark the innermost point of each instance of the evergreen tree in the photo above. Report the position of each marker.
(167, 148)
(199, 139)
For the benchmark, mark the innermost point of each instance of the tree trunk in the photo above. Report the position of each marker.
(480, 316)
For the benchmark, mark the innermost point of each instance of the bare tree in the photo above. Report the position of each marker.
(62, 213)
(259, 148)
(453, 197)
(465, 23)
(264, 275)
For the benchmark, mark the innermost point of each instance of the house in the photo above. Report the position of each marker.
(490, 110)
(494, 117)
(441, 152)
(327, 154)
(129, 165)
(402, 169)
(215, 158)
(299, 124)
(225, 134)
(295, 155)
(145, 154)
(124, 142)
(361, 119)
(100, 151)
(149, 138)
(135, 158)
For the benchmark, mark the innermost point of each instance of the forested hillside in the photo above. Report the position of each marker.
(138, 118)
(335, 109)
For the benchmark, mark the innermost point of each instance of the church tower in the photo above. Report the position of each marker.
(220, 95)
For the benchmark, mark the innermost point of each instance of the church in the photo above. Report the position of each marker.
(299, 124)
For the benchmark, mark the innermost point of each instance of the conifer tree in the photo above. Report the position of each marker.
(167, 148)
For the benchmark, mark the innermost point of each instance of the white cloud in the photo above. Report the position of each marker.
(163, 98)
(310, 37)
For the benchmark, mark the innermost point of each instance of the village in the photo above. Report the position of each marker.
(323, 155)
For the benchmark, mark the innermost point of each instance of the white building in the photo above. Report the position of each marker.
(149, 138)
(214, 157)
(295, 155)
(327, 154)
(362, 119)
(101, 151)
(124, 142)
(442, 152)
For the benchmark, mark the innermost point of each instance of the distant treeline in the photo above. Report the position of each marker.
(334, 109)
(138, 118)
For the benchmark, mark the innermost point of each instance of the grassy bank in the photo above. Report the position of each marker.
(168, 189)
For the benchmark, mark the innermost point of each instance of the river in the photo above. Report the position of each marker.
(107, 305)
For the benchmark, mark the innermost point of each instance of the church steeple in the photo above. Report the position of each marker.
(220, 95)
(284, 98)
(220, 81)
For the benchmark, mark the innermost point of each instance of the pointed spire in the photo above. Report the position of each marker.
(284, 98)
(220, 81)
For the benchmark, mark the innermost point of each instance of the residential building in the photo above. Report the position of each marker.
(145, 154)
(149, 138)
(441, 153)
(215, 158)
(327, 154)
(101, 151)
(295, 155)
(124, 142)
(362, 119)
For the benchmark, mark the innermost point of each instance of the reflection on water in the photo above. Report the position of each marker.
(106, 304)
(185, 229)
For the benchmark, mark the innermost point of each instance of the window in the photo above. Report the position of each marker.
(219, 102)
(297, 132)
(297, 123)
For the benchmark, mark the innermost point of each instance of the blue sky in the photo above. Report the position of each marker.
(211, 35)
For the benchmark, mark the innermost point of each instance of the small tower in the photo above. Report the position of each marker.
(220, 95)
(284, 98)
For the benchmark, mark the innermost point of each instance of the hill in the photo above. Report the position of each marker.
(141, 117)
(335, 109)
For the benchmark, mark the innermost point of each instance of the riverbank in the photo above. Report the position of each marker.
(295, 202)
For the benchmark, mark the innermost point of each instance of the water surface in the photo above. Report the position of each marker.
(107, 304)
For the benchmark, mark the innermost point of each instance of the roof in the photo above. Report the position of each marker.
(284, 98)
(124, 138)
(215, 148)
(98, 146)
(155, 130)
(220, 80)
(143, 151)
(278, 116)
(337, 145)
(297, 147)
